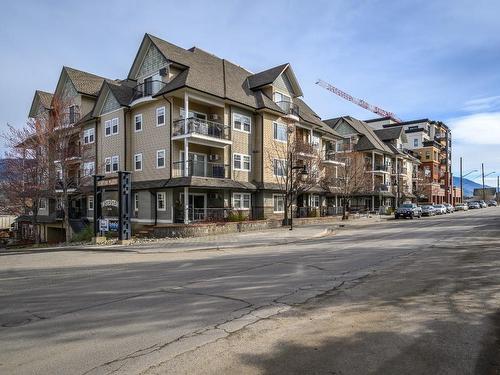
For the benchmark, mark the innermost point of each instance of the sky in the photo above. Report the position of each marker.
(435, 59)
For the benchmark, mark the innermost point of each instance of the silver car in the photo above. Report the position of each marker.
(449, 208)
(461, 207)
(440, 209)
(428, 210)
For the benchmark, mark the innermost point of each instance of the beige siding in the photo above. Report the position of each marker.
(242, 143)
(113, 144)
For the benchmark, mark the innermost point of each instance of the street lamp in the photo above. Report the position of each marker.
(461, 181)
(302, 176)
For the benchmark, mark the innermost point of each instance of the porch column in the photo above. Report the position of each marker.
(373, 169)
(186, 158)
(373, 202)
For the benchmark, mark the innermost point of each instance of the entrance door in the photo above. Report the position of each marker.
(197, 210)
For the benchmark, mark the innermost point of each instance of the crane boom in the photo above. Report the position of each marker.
(360, 102)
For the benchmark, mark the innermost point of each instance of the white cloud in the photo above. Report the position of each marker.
(479, 128)
(482, 104)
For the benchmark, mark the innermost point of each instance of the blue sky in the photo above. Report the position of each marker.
(435, 59)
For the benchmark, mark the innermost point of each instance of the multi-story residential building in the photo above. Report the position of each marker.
(197, 133)
(389, 166)
(431, 140)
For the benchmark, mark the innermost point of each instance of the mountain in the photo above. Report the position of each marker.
(469, 186)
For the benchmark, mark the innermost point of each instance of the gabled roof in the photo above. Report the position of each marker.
(84, 82)
(389, 134)
(266, 77)
(41, 98)
(122, 91)
(368, 140)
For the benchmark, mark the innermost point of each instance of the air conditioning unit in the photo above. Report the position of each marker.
(213, 157)
(214, 117)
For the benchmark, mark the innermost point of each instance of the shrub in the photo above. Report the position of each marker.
(85, 235)
(235, 216)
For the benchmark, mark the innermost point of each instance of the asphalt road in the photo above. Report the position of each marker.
(409, 296)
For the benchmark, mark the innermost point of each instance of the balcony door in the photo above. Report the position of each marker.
(197, 164)
(197, 206)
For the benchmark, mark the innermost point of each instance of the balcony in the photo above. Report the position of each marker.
(330, 156)
(147, 89)
(291, 110)
(201, 169)
(202, 131)
(305, 149)
(382, 187)
(383, 168)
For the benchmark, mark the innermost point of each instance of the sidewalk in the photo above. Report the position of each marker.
(270, 237)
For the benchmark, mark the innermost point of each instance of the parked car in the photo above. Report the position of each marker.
(410, 210)
(461, 207)
(473, 205)
(483, 204)
(428, 210)
(492, 203)
(440, 209)
(449, 208)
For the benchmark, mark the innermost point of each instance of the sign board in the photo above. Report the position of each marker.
(103, 225)
(113, 225)
(109, 203)
(108, 182)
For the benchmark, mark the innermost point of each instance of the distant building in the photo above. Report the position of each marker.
(489, 193)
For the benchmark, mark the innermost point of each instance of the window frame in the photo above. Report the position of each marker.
(84, 167)
(275, 196)
(164, 199)
(44, 205)
(242, 127)
(90, 199)
(87, 135)
(158, 124)
(136, 202)
(242, 162)
(107, 126)
(113, 158)
(107, 162)
(415, 142)
(137, 116)
(276, 124)
(115, 121)
(164, 159)
(241, 199)
(136, 161)
(283, 167)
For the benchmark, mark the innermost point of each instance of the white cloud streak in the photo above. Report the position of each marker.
(477, 129)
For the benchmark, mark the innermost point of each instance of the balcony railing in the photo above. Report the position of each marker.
(201, 127)
(331, 211)
(148, 88)
(288, 107)
(216, 214)
(201, 169)
(382, 187)
(303, 147)
(382, 167)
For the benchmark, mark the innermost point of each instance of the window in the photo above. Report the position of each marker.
(415, 142)
(88, 168)
(138, 162)
(279, 97)
(279, 203)
(427, 154)
(280, 132)
(160, 201)
(160, 159)
(160, 116)
(138, 122)
(315, 140)
(115, 163)
(107, 128)
(90, 203)
(136, 202)
(107, 165)
(88, 136)
(111, 127)
(241, 162)
(315, 201)
(242, 123)
(114, 125)
(241, 201)
(72, 116)
(42, 204)
(279, 166)
(193, 114)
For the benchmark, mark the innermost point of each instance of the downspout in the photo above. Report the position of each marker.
(155, 206)
(125, 137)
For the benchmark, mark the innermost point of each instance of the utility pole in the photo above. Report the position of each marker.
(461, 183)
(498, 187)
(482, 174)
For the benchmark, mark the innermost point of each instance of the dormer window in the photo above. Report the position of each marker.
(279, 97)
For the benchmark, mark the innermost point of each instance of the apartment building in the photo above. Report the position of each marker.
(198, 134)
(390, 167)
(431, 140)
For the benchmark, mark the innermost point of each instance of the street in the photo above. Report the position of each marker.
(410, 296)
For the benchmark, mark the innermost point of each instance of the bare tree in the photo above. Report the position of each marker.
(296, 165)
(347, 178)
(422, 187)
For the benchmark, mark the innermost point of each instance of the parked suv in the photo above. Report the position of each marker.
(473, 205)
(440, 209)
(449, 208)
(492, 203)
(410, 210)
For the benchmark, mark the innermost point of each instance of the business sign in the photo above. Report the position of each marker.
(103, 225)
(113, 225)
(107, 182)
(109, 203)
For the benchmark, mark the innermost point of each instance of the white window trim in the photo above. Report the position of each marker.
(90, 199)
(85, 168)
(241, 200)
(136, 202)
(164, 159)
(283, 164)
(181, 113)
(107, 161)
(44, 200)
(161, 193)
(282, 94)
(242, 129)
(164, 116)
(135, 162)
(107, 125)
(87, 133)
(117, 163)
(242, 163)
(275, 124)
(283, 197)
(139, 115)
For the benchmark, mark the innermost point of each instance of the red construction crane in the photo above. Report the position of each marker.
(360, 102)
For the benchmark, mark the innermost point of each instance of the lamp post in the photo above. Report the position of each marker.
(485, 175)
(303, 176)
(461, 182)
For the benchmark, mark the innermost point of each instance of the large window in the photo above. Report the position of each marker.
(138, 162)
(415, 142)
(107, 165)
(315, 141)
(160, 201)
(115, 163)
(241, 201)
(280, 132)
(315, 201)
(279, 166)
(279, 203)
(279, 97)
(242, 123)
(88, 168)
(111, 127)
(160, 159)
(42, 204)
(138, 122)
(88, 136)
(241, 162)
(160, 116)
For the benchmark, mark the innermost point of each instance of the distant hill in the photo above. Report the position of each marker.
(469, 186)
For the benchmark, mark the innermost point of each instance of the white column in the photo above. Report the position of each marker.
(186, 158)
(186, 205)
(373, 168)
